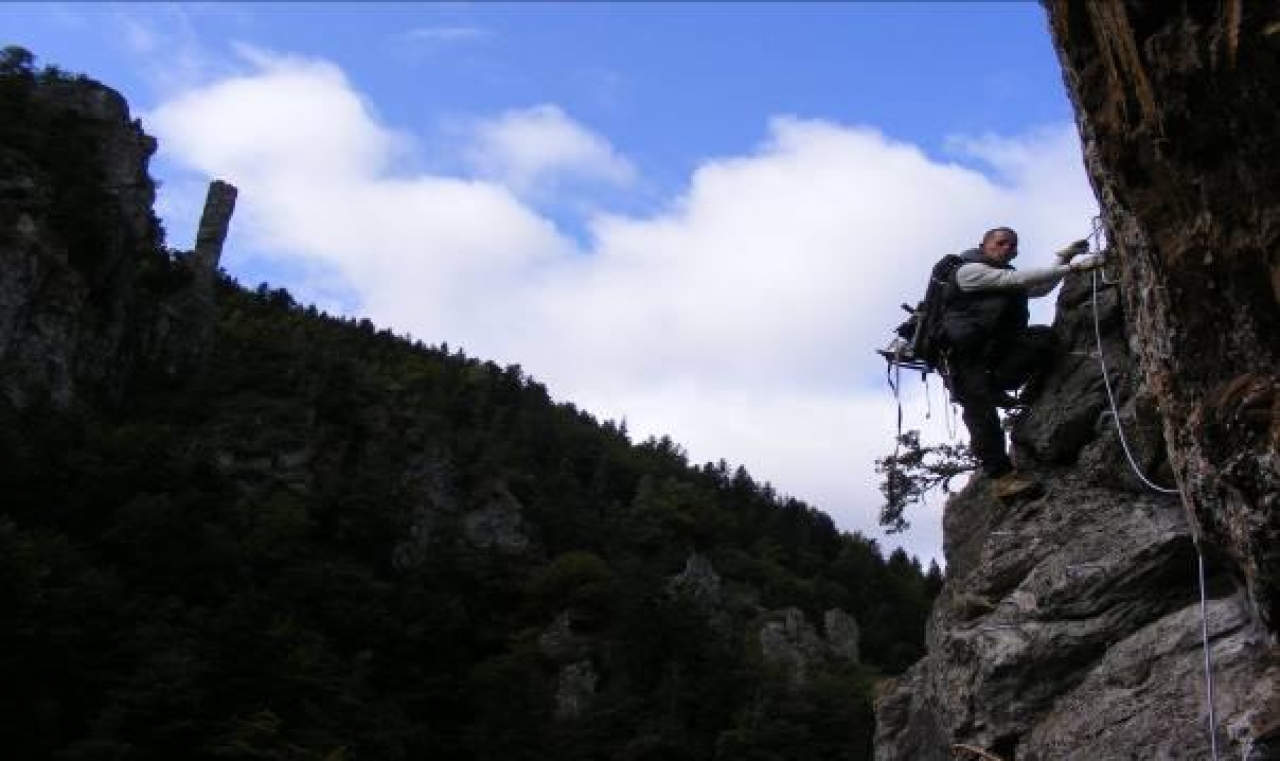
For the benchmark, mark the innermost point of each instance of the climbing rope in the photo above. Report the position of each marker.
(1115, 413)
(1195, 535)
(1208, 661)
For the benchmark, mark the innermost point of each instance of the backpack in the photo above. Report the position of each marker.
(920, 341)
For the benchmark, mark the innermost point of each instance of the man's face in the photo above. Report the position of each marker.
(1001, 247)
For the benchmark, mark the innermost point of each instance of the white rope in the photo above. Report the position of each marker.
(1208, 658)
(1115, 414)
(1204, 605)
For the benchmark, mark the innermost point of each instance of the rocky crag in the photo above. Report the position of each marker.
(1070, 626)
(90, 303)
(1176, 108)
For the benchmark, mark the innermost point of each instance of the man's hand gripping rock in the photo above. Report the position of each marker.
(1085, 262)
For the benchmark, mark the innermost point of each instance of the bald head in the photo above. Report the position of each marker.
(1000, 244)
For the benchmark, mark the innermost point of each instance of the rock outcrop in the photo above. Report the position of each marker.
(1070, 624)
(786, 639)
(789, 642)
(1176, 107)
(699, 584)
(90, 302)
(497, 524)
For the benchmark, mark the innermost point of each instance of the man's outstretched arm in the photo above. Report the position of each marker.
(976, 276)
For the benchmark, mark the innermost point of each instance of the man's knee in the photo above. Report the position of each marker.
(1031, 352)
(1041, 333)
(970, 384)
(1039, 342)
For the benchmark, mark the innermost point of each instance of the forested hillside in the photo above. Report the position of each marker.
(277, 534)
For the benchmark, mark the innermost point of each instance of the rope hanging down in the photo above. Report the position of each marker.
(1124, 444)
(1115, 413)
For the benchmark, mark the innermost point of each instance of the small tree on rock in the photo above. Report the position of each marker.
(912, 470)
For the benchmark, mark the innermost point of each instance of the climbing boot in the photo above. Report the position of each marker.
(1013, 485)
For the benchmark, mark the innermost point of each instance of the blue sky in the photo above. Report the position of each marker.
(698, 218)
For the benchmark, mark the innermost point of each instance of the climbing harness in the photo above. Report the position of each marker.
(1195, 534)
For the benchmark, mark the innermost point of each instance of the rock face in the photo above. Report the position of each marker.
(576, 686)
(1070, 625)
(790, 642)
(1176, 108)
(497, 523)
(699, 583)
(786, 638)
(219, 205)
(89, 301)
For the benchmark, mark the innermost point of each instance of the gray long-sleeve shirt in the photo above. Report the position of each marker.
(976, 276)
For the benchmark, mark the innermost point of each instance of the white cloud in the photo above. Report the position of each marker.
(423, 43)
(741, 320)
(535, 148)
(446, 34)
(165, 40)
(313, 167)
(294, 120)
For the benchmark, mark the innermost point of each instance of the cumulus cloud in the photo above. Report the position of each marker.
(535, 148)
(741, 319)
(313, 167)
(291, 120)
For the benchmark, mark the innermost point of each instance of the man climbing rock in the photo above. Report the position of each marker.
(991, 349)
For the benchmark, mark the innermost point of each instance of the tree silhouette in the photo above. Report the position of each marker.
(912, 470)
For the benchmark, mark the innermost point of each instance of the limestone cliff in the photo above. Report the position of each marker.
(1176, 106)
(90, 302)
(1070, 625)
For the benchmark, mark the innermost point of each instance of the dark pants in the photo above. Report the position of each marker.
(982, 376)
